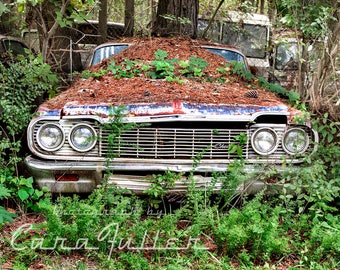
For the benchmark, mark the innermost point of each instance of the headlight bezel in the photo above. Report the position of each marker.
(254, 144)
(301, 149)
(40, 141)
(92, 141)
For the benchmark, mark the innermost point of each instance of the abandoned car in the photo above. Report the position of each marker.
(163, 105)
(11, 47)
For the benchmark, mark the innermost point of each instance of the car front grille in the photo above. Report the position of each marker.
(167, 143)
(172, 143)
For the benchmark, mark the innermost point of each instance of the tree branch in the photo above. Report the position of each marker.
(212, 19)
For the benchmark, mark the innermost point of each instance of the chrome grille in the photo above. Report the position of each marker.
(166, 143)
(170, 143)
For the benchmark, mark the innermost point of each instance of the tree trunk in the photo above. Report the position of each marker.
(102, 26)
(176, 11)
(261, 6)
(272, 11)
(129, 20)
(324, 89)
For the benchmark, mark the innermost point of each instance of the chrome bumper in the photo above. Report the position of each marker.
(90, 175)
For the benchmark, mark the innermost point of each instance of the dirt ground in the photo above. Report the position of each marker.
(142, 89)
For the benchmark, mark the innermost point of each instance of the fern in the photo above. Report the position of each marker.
(4, 192)
(6, 216)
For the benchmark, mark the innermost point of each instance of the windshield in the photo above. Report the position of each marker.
(105, 52)
(287, 56)
(15, 47)
(250, 39)
(228, 55)
(109, 50)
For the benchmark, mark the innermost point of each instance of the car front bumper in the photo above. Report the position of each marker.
(84, 176)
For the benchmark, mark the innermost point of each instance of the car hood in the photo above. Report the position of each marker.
(175, 109)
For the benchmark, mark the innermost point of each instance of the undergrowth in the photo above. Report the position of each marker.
(23, 82)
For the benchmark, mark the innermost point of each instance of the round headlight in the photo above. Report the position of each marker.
(264, 141)
(295, 141)
(82, 138)
(50, 137)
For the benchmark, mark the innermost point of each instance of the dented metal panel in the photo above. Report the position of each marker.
(170, 108)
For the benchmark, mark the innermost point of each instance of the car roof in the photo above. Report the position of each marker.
(202, 43)
(10, 38)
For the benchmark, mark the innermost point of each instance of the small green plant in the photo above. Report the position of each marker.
(5, 216)
(21, 190)
(252, 228)
(292, 96)
(193, 67)
(85, 74)
(126, 69)
(327, 129)
(162, 68)
(237, 68)
(237, 146)
(160, 183)
(226, 70)
(116, 126)
(134, 261)
(234, 71)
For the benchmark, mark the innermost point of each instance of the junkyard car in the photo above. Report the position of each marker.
(12, 46)
(188, 126)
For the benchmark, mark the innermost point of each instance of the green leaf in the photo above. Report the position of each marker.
(330, 138)
(160, 54)
(232, 148)
(239, 151)
(45, 189)
(26, 182)
(23, 194)
(293, 96)
(21, 7)
(38, 193)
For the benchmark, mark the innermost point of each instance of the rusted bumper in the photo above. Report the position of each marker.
(84, 176)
